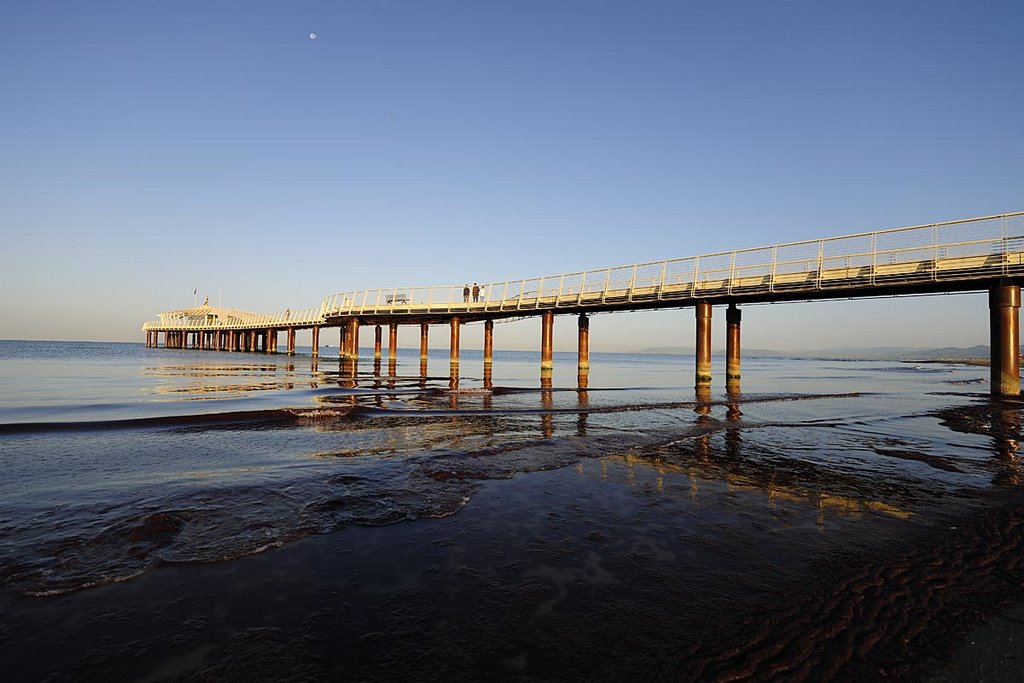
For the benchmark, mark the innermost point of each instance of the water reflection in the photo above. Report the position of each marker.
(547, 420)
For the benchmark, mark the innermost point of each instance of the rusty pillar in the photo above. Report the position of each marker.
(488, 343)
(316, 341)
(424, 348)
(453, 354)
(583, 364)
(353, 338)
(392, 341)
(1004, 328)
(343, 340)
(233, 340)
(547, 327)
(377, 336)
(291, 341)
(703, 374)
(732, 347)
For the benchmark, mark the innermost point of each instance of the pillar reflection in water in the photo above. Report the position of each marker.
(1006, 443)
(547, 420)
(453, 387)
(702, 443)
(314, 374)
(348, 368)
(583, 401)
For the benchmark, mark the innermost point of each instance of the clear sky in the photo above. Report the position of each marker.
(151, 148)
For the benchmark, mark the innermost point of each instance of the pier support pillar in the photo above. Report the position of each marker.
(291, 341)
(233, 340)
(488, 342)
(343, 340)
(547, 326)
(1004, 328)
(702, 377)
(732, 347)
(353, 338)
(453, 354)
(377, 334)
(316, 341)
(392, 341)
(424, 338)
(583, 345)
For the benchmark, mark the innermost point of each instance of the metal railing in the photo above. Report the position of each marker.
(986, 247)
(974, 248)
(257, 321)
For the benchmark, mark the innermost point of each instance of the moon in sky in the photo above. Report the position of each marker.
(312, 36)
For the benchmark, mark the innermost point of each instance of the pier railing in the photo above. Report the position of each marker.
(975, 248)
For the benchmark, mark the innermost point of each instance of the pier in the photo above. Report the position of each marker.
(976, 254)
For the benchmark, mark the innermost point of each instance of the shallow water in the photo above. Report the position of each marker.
(520, 509)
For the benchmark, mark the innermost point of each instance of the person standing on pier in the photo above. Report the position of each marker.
(476, 292)
(465, 293)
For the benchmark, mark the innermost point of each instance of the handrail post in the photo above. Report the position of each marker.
(696, 273)
(874, 257)
(632, 283)
(661, 285)
(561, 284)
(732, 271)
(583, 288)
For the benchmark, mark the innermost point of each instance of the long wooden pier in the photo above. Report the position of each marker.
(976, 254)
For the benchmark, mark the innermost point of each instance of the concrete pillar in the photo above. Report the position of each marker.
(583, 352)
(377, 335)
(343, 340)
(453, 354)
(488, 343)
(392, 341)
(1004, 329)
(732, 347)
(291, 341)
(316, 341)
(233, 340)
(424, 348)
(547, 328)
(703, 374)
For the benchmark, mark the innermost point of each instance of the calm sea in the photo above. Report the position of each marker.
(182, 500)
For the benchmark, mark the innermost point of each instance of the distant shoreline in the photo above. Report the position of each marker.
(954, 361)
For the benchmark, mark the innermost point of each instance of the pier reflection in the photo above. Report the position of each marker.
(1006, 444)
(547, 420)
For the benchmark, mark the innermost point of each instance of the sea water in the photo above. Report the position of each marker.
(531, 510)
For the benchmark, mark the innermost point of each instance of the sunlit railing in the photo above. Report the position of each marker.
(986, 247)
(256, 321)
(975, 248)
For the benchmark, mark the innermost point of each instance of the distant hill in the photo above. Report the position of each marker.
(851, 352)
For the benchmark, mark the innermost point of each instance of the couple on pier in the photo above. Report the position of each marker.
(475, 291)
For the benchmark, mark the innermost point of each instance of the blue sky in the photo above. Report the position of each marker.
(150, 148)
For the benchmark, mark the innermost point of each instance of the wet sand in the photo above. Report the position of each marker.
(559, 575)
